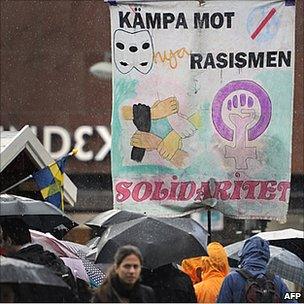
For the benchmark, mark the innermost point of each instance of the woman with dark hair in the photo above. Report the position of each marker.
(123, 282)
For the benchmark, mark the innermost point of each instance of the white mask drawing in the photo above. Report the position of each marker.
(133, 50)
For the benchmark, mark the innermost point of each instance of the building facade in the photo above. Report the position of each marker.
(47, 49)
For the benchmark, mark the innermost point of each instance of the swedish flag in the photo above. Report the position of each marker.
(50, 181)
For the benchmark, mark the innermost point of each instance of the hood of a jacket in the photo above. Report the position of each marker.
(216, 264)
(189, 266)
(255, 255)
(30, 250)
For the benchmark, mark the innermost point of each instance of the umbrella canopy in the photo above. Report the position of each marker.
(290, 239)
(160, 240)
(95, 272)
(72, 254)
(281, 262)
(60, 248)
(38, 215)
(114, 216)
(77, 268)
(21, 272)
(92, 245)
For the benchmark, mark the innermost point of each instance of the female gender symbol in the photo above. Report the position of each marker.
(251, 87)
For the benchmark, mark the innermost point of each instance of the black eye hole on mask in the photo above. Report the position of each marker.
(133, 49)
(120, 45)
(144, 63)
(123, 63)
(146, 45)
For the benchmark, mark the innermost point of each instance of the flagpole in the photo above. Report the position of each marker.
(73, 152)
(17, 184)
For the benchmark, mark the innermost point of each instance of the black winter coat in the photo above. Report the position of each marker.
(113, 291)
(170, 285)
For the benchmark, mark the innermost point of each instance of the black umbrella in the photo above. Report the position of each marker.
(114, 216)
(21, 272)
(38, 215)
(160, 240)
(27, 282)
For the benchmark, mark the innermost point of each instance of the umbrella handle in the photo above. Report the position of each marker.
(209, 224)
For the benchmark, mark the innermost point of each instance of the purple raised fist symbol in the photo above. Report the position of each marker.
(241, 112)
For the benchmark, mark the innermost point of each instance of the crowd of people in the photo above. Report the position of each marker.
(206, 279)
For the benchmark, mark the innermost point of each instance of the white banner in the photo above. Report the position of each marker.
(202, 106)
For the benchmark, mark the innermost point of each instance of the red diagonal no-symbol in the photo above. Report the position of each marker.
(263, 23)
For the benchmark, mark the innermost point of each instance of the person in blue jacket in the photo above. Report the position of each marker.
(254, 257)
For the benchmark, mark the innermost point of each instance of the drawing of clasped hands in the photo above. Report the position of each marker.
(183, 127)
(142, 115)
(169, 147)
(160, 109)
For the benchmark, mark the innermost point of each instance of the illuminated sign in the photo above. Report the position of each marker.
(68, 140)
